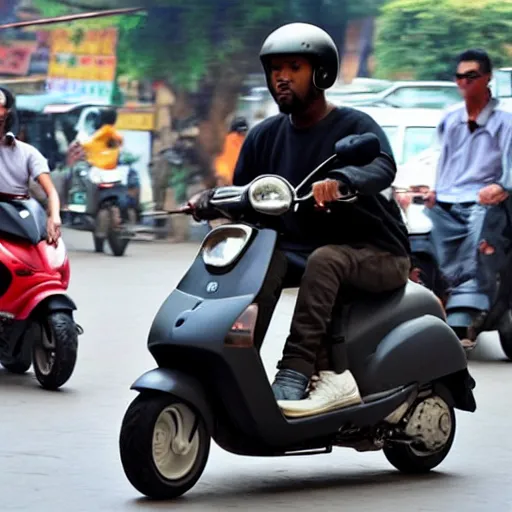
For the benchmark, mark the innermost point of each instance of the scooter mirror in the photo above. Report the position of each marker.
(358, 150)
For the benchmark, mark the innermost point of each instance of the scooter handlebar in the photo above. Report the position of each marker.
(185, 210)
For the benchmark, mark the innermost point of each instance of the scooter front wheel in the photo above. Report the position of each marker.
(164, 446)
(54, 352)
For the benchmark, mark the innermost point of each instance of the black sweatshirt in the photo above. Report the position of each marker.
(275, 146)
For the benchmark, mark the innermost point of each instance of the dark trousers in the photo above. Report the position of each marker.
(328, 270)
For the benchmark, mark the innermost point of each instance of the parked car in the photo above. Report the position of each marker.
(410, 130)
(414, 94)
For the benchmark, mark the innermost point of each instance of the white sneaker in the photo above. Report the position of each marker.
(329, 391)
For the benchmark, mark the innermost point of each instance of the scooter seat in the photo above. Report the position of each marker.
(25, 219)
(363, 319)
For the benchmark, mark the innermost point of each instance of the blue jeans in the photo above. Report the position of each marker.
(458, 230)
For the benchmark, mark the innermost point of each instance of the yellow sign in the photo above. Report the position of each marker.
(89, 42)
(89, 55)
(141, 121)
(82, 67)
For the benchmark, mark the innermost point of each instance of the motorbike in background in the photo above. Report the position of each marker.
(499, 317)
(99, 201)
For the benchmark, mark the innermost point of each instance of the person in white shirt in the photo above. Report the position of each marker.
(19, 162)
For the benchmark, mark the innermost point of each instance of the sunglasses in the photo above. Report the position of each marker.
(470, 76)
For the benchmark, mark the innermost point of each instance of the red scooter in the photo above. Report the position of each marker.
(36, 316)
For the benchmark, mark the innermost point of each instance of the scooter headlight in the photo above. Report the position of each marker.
(223, 245)
(56, 255)
(271, 195)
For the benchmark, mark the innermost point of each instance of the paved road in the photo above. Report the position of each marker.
(59, 453)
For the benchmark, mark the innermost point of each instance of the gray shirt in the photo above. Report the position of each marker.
(470, 161)
(18, 164)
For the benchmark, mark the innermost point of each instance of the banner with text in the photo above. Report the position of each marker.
(83, 62)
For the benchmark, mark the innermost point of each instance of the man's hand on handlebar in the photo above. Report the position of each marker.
(326, 191)
(200, 205)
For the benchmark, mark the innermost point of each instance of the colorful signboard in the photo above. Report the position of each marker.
(15, 57)
(83, 62)
(137, 121)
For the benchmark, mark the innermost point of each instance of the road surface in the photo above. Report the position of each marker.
(59, 451)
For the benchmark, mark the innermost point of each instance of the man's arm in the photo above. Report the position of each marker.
(376, 176)
(39, 171)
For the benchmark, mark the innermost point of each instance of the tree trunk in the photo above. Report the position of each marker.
(221, 103)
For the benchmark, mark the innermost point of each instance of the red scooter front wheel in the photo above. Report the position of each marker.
(55, 350)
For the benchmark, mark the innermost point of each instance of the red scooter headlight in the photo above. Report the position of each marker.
(56, 255)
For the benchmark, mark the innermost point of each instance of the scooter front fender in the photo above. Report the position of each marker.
(180, 385)
(52, 300)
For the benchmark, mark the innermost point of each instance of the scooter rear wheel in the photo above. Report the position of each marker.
(415, 458)
(506, 343)
(164, 446)
(116, 241)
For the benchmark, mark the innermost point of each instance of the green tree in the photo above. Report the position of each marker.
(205, 48)
(421, 38)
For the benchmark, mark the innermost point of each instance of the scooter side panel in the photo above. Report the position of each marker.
(419, 351)
(251, 404)
(188, 320)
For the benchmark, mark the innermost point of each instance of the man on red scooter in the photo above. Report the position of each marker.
(19, 162)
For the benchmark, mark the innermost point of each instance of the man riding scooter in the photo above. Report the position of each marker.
(19, 162)
(102, 150)
(469, 201)
(333, 246)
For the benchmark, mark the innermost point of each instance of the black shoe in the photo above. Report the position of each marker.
(290, 385)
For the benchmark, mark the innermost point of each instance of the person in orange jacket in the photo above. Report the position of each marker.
(103, 148)
(226, 161)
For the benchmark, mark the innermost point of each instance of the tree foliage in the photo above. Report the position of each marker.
(421, 38)
(186, 41)
(206, 48)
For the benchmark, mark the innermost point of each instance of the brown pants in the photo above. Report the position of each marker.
(328, 270)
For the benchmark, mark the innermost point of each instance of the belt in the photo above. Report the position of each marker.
(448, 206)
(13, 197)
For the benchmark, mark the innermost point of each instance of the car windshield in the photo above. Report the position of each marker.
(416, 140)
(503, 83)
(423, 97)
(392, 135)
